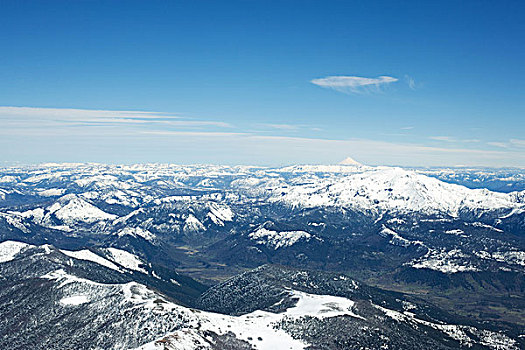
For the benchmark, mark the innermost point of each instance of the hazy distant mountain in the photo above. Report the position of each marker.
(349, 161)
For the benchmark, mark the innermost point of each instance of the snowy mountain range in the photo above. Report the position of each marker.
(108, 239)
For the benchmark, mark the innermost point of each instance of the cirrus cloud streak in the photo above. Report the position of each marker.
(353, 84)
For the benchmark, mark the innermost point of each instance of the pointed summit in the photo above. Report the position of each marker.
(350, 161)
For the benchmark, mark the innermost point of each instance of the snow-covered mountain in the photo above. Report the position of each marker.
(392, 189)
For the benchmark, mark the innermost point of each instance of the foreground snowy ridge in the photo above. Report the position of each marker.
(133, 307)
(258, 328)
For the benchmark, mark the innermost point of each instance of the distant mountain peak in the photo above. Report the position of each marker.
(349, 161)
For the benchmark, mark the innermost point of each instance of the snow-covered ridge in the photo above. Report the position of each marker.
(465, 335)
(126, 259)
(452, 261)
(276, 240)
(258, 328)
(220, 213)
(9, 249)
(136, 232)
(88, 255)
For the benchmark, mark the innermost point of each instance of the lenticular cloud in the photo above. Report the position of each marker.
(353, 84)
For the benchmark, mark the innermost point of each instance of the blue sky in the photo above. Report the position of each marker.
(263, 82)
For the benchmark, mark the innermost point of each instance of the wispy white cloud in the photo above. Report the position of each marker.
(289, 127)
(165, 122)
(510, 144)
(195, 133)
(353, 84)
(407, 128)
(394, 134)
(442, 138)
(76, 113)
(24, 118)
(36, 135)
(411, 82)
(453, 139)
(282, 126)
(517, 142)
(498, 144)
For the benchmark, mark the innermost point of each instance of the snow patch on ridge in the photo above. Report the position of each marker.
(74, 300)
(126, 259)
(88, 255)
(192, 224)
(9, 249)
(276, 240)
(465, 335)
(136, 232)
(396, 239)
(259, 327)
(452, 261)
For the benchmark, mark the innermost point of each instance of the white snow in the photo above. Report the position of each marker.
(396, 239)
(37, 215)
(389, 189)
(457, 232)
(276, 240)
(72, 209)
(8, 179)
(16, 220)
(480, 224)
(452, 261)
(65, 278)
(491, 339)
(9, 249)
(51, 192)
(512, 257)
(88, 255)
(320, 306)
(192, 224)
(136, 232)
(74, 300)
(260, 324)
(220, 213)
(126, 259)
(257, 328)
